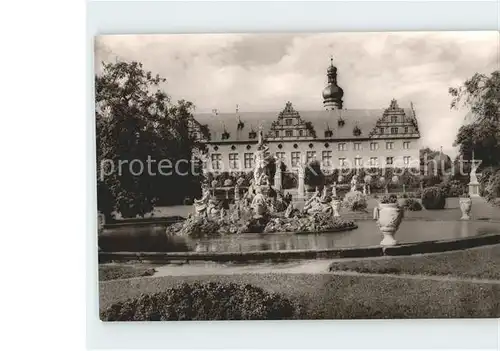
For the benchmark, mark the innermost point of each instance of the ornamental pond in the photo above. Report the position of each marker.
(366, 234)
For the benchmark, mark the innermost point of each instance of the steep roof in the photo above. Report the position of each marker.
(365, 119)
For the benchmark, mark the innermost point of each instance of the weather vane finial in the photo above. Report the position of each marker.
(331, 59)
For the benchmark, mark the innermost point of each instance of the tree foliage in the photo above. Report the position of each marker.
(137, 124)
(481, 94)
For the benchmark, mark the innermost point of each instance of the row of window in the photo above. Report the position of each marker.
(394, 130)
(289, 133)
(326, 157)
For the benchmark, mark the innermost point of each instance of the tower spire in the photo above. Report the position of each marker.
(332, 94)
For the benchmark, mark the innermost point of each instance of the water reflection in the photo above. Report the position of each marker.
(367, 234)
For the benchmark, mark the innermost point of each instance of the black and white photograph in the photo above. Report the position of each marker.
(298, 176)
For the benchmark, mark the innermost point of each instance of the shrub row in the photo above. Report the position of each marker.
(203, 301)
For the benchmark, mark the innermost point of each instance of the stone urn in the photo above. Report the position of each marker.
(465, 207)
(336, 207)
(389, 217)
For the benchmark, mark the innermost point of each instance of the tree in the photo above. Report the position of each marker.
(482, 135)
(481, 94)
(482, 138)
(141, 138)
(313, 175)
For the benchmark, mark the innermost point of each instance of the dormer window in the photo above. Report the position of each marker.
(394, 119)
(225, 135)
(356, 131)
(277, 133)
(341, 122)
(288, 122)
(252, 135)
(301, 133)
(328, 133)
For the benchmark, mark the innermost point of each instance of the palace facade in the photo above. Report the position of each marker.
(334, 136)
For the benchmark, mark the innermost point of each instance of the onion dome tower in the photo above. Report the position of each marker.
(332, 94)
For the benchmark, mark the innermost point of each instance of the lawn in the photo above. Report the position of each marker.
(481, 263)
(122, 271)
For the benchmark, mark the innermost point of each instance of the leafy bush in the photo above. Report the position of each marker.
(355, 201)
(389, 199)
(453, 188)
(412, 205)
(203, 301)
(492, 187)
(434, 198)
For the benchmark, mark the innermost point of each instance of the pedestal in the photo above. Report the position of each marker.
(301, 185)
(277, 181)
(474, 189)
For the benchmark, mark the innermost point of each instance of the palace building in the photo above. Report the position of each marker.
(334, 136)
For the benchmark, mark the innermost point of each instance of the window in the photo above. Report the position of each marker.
(357, 161)
(216, 161)
(373, 146)
(248, 160)
(342, 162)
(288, 133)
(233, 160)
(394, 119)
(280, 155)
(295, 158)
(407, 129)
(277, 133)
(301, 133)
(389, 160)
(342, 147)
(357, 146)
(373, 161)
(310, 155)
(406, 160)
(288, 122)
(381, 130)
(389, 145)
(328, 133)
(326, 157)
(406, 145)
(394, 130)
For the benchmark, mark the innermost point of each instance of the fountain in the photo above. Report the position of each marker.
(264, 208)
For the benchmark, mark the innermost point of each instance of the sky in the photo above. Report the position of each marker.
(261, 72)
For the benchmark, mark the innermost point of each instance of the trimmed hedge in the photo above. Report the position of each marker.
(434, 198)
(203, 301)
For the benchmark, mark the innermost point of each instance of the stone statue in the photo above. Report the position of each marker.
(290, 210)
(260, 161)
(473, 174)
(354, 182)
(201, 205)
(318, 203)
(259, 204)
(212, 210)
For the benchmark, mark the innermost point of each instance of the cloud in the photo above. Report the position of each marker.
(263, 71)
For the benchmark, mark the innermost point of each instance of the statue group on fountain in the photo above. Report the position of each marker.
(206, 206)
(319, 202)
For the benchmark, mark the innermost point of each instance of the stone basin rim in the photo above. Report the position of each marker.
(422, 247)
